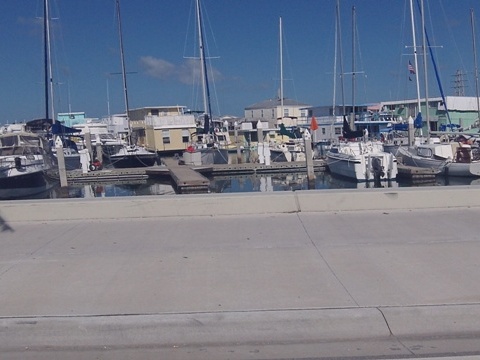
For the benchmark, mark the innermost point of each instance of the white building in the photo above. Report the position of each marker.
(274, 111)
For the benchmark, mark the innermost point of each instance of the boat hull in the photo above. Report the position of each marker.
(206, 156)
(445, 166)
(133, 157)
(362, 162)
(25, 185)
(133, 161)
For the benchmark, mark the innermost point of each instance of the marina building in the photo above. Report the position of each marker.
(163, 129)
(275, 111)
(459, 113)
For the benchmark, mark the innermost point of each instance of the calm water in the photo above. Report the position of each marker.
(236, 184)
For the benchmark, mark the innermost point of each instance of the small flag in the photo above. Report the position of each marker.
(313, 124)
(411, 69)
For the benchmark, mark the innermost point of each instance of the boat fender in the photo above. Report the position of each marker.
(18, 163)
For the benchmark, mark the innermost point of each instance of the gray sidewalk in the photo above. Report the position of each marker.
(257, 276)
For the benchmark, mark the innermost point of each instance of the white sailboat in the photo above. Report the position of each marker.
(130, 155)
(25, 157)
(208, 149)
(453, 158)
(361, 160)
(60, 134)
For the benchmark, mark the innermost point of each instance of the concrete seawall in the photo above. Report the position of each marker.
(241, 203)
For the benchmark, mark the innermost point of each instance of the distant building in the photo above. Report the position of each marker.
(462, 110)
(274, 111)
(376, 118)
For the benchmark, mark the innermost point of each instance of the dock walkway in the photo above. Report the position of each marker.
(186, 179)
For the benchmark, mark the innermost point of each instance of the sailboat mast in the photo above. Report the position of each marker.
(203, 67)
(472, 17)
(45, 53)
(354, 25)
(342, 72)
(424, 50)
(122, 59)
(334, 80)
(281, 69)
(48, 64)
(415, 56)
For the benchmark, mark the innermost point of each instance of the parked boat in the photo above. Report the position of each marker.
(453, 158)
(131, 154)
(208, 148)
(58, 133)
(25, 163)
(62, 139)
(356, 157)
(361, 160)
(450, 158)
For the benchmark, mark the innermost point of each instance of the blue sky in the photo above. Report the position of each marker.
(243, 41)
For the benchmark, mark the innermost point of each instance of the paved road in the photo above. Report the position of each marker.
(383, 283)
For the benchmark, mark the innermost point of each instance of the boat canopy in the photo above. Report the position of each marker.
(60, 129)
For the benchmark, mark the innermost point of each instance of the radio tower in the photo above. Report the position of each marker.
(459, 83)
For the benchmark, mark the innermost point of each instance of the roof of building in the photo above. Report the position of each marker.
(274, 103)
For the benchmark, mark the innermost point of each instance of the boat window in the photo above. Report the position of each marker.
(9, 141)
(30, 140)
(6, 151)
(166, 136)
(185, 136)
(424, 152)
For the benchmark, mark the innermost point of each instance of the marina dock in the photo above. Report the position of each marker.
(416, 174)
(187, 178)
(195, 179)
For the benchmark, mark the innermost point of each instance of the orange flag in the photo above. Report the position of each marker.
(313, 124)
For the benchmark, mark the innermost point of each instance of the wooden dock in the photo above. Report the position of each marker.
(417, 174)
(254, 168)
(186, 179)
(106, 175)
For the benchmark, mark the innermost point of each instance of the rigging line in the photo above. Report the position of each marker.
(58, 37)
(436, 71)
(361, 72)
(450, 32)
(189, 21)
(206, 21)
(189, 62)
(339, 34)
(401, 64)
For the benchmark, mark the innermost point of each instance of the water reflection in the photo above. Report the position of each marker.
(131, 188)
(240, 183)
(287, 182)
